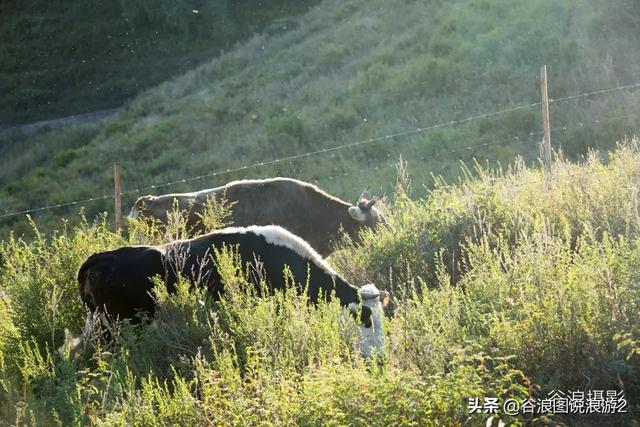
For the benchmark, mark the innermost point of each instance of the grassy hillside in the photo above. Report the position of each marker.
(347, 72)
(70, 57)
(545, 298)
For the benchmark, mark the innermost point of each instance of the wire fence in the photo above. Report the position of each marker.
(309, 154)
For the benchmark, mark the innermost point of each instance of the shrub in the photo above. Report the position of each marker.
(541, 295)
(598, 197)
(39, 278)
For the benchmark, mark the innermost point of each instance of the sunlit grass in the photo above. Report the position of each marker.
(348, 72)
(499, 289)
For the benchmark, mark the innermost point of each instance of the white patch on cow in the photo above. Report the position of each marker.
(172, 196)
(357, 214)
(372, 339)
(244, 181)
(269, 180)
(278, 236)
(369, 291)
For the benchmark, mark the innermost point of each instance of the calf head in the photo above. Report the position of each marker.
(371, 319)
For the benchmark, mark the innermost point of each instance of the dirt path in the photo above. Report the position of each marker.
(35, 127)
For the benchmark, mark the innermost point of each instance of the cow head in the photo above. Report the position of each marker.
(371, 319)
(364, 211)
(141, 205)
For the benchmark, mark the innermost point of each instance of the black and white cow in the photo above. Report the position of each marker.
(298, 206)
(118, 282)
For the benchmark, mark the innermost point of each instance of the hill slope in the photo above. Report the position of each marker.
(351, 71)
(71, 57)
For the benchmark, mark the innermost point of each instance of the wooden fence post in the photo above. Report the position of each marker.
(117, 196)
(545, 145)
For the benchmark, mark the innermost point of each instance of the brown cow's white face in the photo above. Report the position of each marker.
(364, 212)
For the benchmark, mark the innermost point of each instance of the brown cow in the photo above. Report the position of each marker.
(298, 206)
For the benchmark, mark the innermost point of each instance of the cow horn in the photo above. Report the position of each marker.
(371, 202)
(364, 195)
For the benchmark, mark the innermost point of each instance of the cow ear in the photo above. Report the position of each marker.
(357, 214)
(385, 298)
(144, 200)
(364, 195)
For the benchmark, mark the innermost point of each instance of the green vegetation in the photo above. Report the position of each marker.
(70, 57)
(500, 289)
(346, 72)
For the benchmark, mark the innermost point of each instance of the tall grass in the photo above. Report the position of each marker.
(500, 288)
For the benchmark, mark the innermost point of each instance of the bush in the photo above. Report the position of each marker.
(287, 131)
(540, 295)
(597, 198)
(39, 279)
